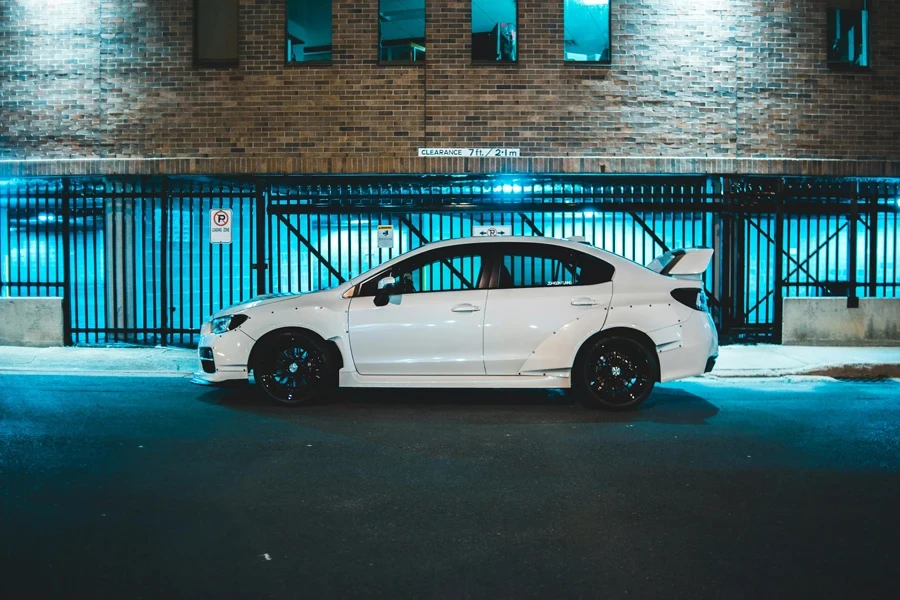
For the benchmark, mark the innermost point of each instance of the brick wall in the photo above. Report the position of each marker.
(723, 79)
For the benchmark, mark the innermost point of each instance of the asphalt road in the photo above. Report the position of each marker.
(151, 487)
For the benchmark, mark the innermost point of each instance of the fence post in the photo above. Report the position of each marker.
(164, 303)
(873, 242)
(260, 265)
(852, 299)
(777, 290)
(67, 261)
(120, 262)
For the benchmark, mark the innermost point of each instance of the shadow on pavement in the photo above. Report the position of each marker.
(671, 406)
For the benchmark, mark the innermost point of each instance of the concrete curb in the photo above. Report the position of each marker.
(764, 361)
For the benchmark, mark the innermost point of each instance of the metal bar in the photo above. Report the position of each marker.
(67, 261)
(649, 231)
(852, 249)
(872, 246)
(531, 225)
(779, 266)
(164, 302)
(261, 264)
(311, 249)
(808, 258)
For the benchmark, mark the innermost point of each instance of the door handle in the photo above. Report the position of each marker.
(584, 301)
(465, 308)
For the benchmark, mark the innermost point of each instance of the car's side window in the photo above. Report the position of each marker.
(531, 265)
(438, 271)
(445, 274)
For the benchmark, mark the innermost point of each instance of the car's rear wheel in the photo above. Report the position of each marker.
(615, 373)
(294, 368)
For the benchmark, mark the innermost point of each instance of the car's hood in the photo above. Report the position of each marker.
(265, 300)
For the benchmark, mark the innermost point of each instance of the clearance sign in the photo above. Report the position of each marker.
(469, 152)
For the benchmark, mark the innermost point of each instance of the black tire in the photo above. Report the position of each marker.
(614, 373)
(294, 368)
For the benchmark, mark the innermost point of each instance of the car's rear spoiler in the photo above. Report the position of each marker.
(687, 263)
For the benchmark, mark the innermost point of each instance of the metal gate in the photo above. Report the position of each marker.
(133, 260)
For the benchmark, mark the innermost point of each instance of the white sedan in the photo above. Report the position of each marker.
(497, 312)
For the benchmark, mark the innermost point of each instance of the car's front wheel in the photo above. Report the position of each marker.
(615, 373)
(294, 368)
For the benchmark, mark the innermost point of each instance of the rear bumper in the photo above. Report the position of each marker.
(698, 352)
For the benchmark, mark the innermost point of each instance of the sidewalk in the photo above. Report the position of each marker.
(734, 361)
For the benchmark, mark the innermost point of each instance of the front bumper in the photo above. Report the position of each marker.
(223, 358)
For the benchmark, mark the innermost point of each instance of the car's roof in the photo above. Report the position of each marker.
(574, 244)
(506, 238)
(616, 260)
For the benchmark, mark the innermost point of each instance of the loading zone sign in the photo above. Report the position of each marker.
(220, 226)
(385, 236)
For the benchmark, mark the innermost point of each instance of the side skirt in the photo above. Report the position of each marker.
(557, 379)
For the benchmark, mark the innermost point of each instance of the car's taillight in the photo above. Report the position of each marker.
(692, 298)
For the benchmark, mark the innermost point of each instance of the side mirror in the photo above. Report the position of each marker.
(386, 287)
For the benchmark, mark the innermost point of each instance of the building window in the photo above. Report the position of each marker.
(494, 36)
(215, 32)
(308, 31)
(848, 33)
(586, 24)
(401, 31)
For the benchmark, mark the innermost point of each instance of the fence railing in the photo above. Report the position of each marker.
(133, 260)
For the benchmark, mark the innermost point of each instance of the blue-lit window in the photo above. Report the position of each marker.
(494, 35)
(848, 33)
(308, 31)
(401, 32)
(586, 31)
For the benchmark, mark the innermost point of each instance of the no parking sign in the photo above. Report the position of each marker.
(220, 226)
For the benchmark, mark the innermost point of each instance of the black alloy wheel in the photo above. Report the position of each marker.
(294, 368)
(615, 373)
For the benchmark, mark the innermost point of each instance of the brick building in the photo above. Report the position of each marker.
(741, 85)
(769, 129)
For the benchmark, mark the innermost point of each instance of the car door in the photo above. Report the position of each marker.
(433, 321)
(537, 289)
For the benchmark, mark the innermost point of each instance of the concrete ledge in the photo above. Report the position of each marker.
(404, 163)
(34, 322)
(828, 322)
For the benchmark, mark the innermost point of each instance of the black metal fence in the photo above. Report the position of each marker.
(133, 259)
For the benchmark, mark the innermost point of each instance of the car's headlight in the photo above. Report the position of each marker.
(227, 323)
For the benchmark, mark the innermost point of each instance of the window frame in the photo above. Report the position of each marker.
(308, 63)
(494, 63)
(592, 64)
(400, 63)
(535, 250)
(843, 65)
(481, 282)
(216, 63)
